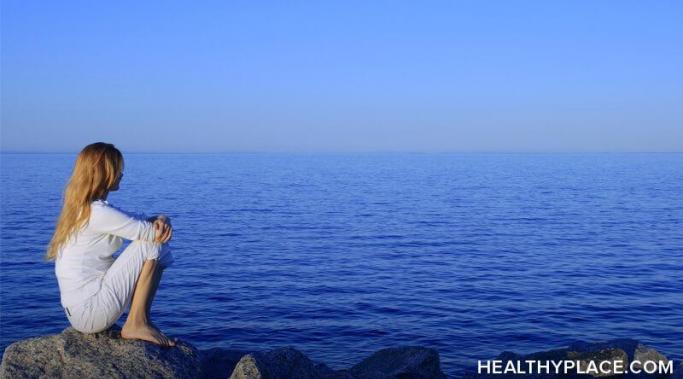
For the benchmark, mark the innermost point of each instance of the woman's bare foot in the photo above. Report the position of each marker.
(147, 333)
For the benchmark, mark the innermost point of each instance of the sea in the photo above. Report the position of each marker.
(342, 254)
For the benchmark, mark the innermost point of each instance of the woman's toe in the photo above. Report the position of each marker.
(167, 341)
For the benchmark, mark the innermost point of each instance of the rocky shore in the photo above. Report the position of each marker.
(71, 354)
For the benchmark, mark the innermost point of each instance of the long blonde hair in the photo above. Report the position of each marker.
(97, 169)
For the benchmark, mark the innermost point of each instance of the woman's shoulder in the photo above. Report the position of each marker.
(100, 202)
(100, 207)
(103, 209)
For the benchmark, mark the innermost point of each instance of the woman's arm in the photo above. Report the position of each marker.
(107, 219)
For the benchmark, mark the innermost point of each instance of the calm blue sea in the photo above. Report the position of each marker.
(343, 254)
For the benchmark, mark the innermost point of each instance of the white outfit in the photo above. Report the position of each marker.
(95, 288)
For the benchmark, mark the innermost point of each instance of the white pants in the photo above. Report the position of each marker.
(102, 310)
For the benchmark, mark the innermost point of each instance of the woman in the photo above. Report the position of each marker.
(95, 288)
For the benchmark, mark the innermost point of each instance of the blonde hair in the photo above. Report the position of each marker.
(97, 169)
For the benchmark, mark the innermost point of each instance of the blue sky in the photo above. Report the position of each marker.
(457, 76)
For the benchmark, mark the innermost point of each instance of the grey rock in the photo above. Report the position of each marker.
(644, 353)
(72, 354)
(217, 362)
(284, 363)
(594, 357)
(407, 362)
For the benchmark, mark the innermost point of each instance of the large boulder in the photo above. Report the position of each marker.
(72, 354)
(407, 362)
(587, 355)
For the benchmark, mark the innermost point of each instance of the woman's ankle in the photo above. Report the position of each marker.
(136, 321)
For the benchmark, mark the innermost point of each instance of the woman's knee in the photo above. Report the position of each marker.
(160, 252)
(148, 249)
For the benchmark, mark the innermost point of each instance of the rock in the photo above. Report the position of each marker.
(634, 349)
(392, 363)
(594, 357)
(623, 350)
(218, 363)
(329, 373)
(644, 353)
(72, 354)
(284, 363)
(406, 362)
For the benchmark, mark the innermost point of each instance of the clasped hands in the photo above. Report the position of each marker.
(162, 227)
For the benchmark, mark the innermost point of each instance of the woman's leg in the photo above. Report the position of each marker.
(165, 260)
(156, 279)
(132, 280)
(138, 324)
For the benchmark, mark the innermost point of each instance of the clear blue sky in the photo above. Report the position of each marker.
(343, 76)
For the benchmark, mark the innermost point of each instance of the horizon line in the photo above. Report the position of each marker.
(369, 152)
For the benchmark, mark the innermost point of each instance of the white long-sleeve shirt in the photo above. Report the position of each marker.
(87, 255)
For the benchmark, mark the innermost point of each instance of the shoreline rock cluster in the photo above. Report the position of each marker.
(587, 357)
(72, 354)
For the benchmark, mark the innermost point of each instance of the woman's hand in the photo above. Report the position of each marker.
(159, 217)
(163, 228)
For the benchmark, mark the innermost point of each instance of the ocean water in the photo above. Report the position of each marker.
(340, 255)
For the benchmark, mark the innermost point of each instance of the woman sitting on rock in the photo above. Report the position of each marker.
(96, 288)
